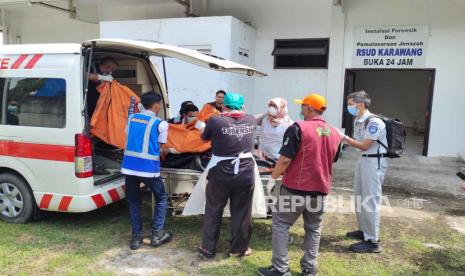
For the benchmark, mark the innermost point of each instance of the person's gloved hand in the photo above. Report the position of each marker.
(173, 151)
(270, 185)
(140, 107)
(108, 78)
(200, 125)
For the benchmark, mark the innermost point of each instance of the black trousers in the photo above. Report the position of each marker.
(240, 196)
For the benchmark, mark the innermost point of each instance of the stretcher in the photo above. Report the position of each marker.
(179, 184)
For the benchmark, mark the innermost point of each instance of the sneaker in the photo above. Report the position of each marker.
(160, 237)
(357, 235)
(308, 272)
(272, 271)
(136, 242)
(366, 247)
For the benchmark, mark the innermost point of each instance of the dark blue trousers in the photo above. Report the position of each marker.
(157, 187)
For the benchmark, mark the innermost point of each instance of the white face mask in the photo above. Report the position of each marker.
(190, 119)
(273, 111)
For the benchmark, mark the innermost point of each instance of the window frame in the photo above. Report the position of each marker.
(276, 41)
(5, 95)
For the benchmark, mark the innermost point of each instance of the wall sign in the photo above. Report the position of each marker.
(390, 46)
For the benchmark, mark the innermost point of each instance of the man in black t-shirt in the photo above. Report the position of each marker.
(231, 134)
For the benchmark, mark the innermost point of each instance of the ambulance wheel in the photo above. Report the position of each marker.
(17, 203)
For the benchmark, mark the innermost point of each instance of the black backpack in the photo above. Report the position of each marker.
(395, 135)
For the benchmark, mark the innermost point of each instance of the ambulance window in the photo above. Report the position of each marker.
(34, 102)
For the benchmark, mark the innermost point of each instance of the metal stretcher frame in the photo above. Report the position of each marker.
(170, 175)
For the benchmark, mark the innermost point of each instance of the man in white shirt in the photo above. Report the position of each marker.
(369, 138)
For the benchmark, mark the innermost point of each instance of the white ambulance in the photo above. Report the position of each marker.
(46, 152)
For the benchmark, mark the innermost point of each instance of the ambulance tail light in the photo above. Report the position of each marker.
(83, 156)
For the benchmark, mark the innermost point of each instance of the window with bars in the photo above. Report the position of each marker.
(301, 53)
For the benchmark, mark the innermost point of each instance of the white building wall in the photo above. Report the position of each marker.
(275, 19)
(41, 25)
(444, 52)
(137, 12)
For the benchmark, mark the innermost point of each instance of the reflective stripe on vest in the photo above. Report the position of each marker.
(141, 155)
(148, 130)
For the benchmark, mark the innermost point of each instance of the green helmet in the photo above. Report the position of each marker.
(234, 101)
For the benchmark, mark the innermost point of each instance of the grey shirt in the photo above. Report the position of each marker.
(229, 137)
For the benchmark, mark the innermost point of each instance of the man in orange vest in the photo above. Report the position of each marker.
(306, 159)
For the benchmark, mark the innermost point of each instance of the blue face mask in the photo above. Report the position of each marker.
(352, 109)
(13, 108)
(301, 116)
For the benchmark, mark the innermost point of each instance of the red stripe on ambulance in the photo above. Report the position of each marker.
(67, 203)
(114, 195)
(37, 151)
(33, 61)
(64, 203)
(98, 200)
(45, 201)
(19, 61)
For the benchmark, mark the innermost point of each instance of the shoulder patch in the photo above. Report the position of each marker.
(373, 128)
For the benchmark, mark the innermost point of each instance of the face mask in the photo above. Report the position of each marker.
(13, 108)
(190, 119)
(352, 109)
(272, 111)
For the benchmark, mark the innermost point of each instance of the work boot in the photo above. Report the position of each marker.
(160, 237)
(366, 247)
(136, 242)
(272, 271)
(357, 235)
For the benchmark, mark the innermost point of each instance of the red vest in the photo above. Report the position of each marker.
(311, 170)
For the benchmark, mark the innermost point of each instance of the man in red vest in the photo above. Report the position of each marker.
(306, 159)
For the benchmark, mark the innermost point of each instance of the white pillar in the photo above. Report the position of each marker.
(335, 86)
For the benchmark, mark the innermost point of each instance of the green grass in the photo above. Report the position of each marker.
(76, 244)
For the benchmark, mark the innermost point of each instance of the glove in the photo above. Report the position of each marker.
(200, 125)
(140, 107)
(108, 78)
(270, 185)
(173, 151)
